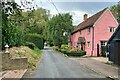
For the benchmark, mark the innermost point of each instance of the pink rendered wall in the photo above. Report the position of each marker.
(74, 39)
(88, 37)
(84, 33)
(101, 29)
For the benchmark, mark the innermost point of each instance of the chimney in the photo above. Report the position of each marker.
(85, 16)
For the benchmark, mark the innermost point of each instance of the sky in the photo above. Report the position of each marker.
(76, 9)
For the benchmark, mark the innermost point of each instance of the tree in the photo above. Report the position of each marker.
(11, 34)
(33, 21)
(16, 22)
(57, 26)
(115, 9)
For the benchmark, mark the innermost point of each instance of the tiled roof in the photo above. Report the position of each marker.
(90, 21)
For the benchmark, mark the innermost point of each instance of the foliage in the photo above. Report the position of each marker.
(36, 39)
(30, 45)
(64, 49)
(16, 22)
(57, 26)
(32, 21)
(11, 35)
(115, 9)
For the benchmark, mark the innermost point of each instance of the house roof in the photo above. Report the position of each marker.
(89, 22)
(111, 38)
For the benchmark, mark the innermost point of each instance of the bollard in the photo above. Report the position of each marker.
(6, 48)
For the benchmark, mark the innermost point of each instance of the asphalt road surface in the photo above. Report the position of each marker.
(54, 65)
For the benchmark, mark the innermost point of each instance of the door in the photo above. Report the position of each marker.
(103, 48)
(98, 53)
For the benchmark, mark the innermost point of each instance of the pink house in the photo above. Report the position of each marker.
(94, 32)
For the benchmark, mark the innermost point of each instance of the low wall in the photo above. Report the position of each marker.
(13, 64)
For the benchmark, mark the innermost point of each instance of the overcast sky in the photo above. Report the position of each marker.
(76, 9)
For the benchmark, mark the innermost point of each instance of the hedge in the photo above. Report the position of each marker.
(68, 52)
(30, 45)
(75, 53)
(36, 39)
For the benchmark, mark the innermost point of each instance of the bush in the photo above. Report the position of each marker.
(64, 49)
(30, 45)
(76, 53)
(36, 39)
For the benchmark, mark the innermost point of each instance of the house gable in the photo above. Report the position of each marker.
(107, 10)
(103, 25)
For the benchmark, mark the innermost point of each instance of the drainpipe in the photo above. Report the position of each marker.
(92, 41)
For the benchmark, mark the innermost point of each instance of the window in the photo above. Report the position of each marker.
(88, 31)
(88, 43)
(112, 29)
(103, 43)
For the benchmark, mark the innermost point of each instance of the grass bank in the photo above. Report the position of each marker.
(23, 51)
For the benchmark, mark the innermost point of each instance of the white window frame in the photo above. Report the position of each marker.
(112, 29)
(104, 43)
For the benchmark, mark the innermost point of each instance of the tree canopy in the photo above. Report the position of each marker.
(59, 27)
(16, 23)
(115, 9)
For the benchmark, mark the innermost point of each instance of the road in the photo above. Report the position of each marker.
(54, 65)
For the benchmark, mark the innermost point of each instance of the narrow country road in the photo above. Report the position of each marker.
(55, 65)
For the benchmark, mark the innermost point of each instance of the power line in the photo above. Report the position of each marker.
(51, 1)
(55, 6)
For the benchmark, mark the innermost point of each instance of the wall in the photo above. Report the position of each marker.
(114, 44)
(88, 37)
(12, 64)
(74, 39)
(101, 29)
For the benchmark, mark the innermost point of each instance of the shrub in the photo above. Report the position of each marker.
(36, 39)
(30, 45)
(76, 53)
(64, 49)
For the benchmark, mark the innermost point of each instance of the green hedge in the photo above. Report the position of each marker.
(30, 45)
(36, 39)
(76, 54)
(64, 49)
